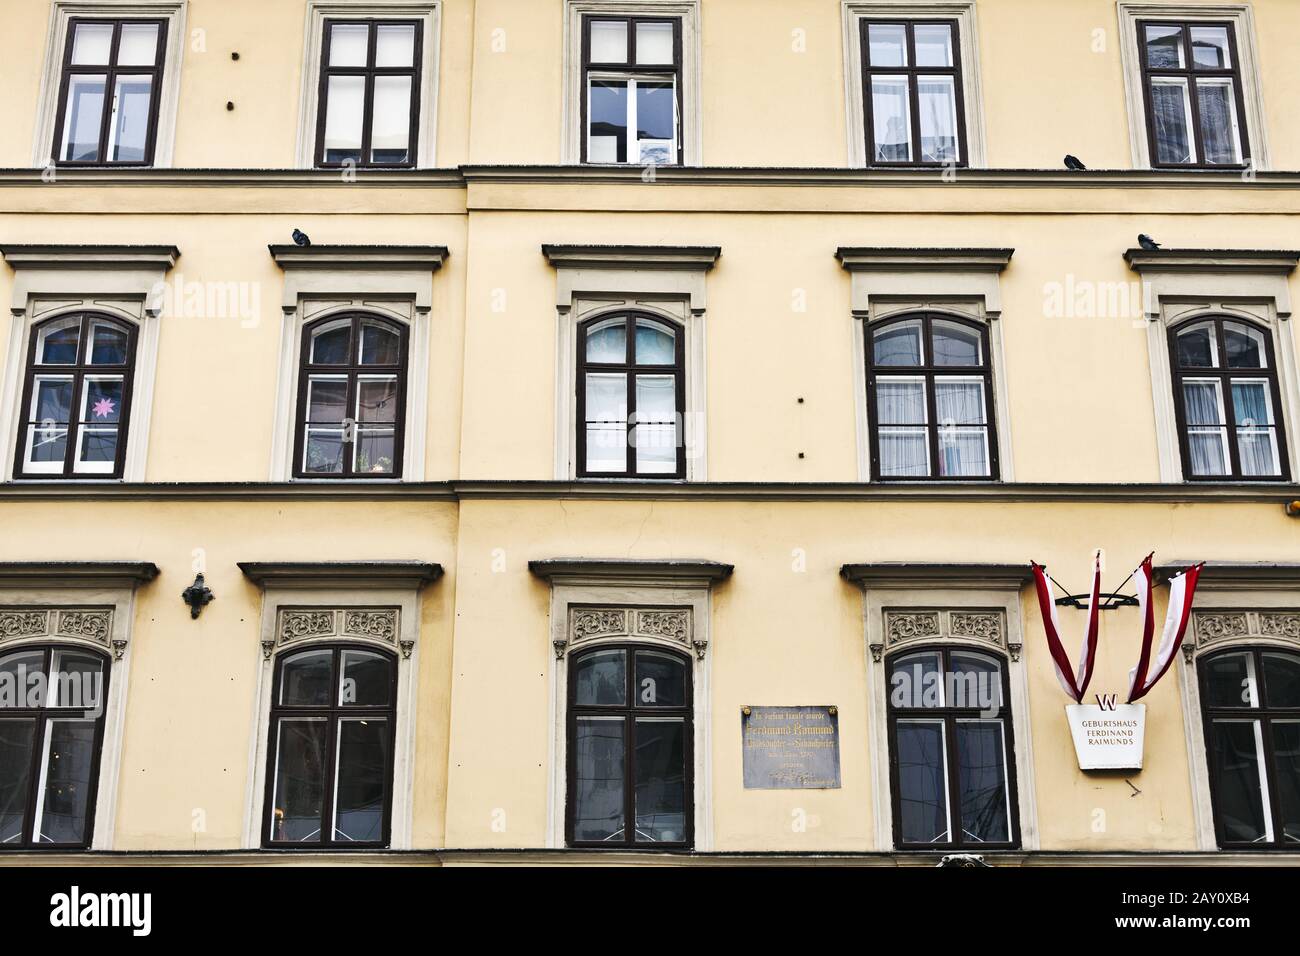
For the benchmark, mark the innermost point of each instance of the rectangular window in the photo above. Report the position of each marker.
(1192, 87)
(369, 99)
(912, 93)
(109, 92)
(632, 90)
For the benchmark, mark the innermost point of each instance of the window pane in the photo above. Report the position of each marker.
(366, 680)
(76, 680)
(1230, 680)
(91, 44)
(963, 452)
(323, 453)
(329, 343)
(938, 111)
(956, 344)
(1208, 450)
(82, 119)
(976, 681)
(138, 45)
(887, 44)
(390, 132)
(1282, 679)
(922, 781)
(606, 422)
(298, 799)
(395, 45)
(607, 112)
(1220, 134)
(376, 451)
(108, 344)
(343, 117)
(348, 43)
(47, 440)
(1172, 120)
(1286, 774)
(900, 401)
(599, 745)
(1202, 402)
(607, 341)
(306, 679)
(16, 738)
(128, 137)
(380, 344)
(1245, 346)
(904, 452)
(377, 399)
(1164, 47)
(1257, 452)
(655, 345)
(327, 398)
(1198, 347)
(891, 119)
(933, 44)
(898, 344)
(660, 680)
(1239, 784)
(17, 667)
(65, 790)
(655, 427)
(1210, 48)
(656, 120)
(609, 41)
(959, 401)
(600, 679)
(56, 343)
(1251, 403)
(915, 680)
(982, 781)
(101, 400)
(362, 777)
(51, 399)
(96, 450)
(1256, 446)
(661, 780)
(654, 44)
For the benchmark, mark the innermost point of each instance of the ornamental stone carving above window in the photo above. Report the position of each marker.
(94, 625)
(298, 624)
(1210, 628)
(906, 626)
(590, 623)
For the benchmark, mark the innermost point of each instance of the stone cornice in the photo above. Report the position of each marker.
(1237, 575)
(902, 259)
(906, 575)
(341, 574)
(631, 257)
(675, 571)
(89, 256)
(76, 574)
(359, 257)
(1212, 260)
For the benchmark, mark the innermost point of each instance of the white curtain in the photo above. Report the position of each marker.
(963, 450)
(1205, 438)
(1255, 437)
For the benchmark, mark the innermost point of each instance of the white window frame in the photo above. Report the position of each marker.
(853, 12)
(1242, 17)
(689, 125)
(62, 12)
(318, 11)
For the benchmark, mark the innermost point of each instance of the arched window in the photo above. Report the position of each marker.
(631, 398)
(76, 398)
(351, 398)
(330, 778)
(929, 389)
(1227, 400)
(1250, 704)
(629, 748)
(951, 755)
(52, 702)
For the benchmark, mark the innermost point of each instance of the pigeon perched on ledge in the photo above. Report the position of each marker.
(301, 238)
(1146, 242)
(1073, 162)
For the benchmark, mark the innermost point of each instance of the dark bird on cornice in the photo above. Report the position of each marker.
(301, 238)
(1073, 162)
(1146, 242)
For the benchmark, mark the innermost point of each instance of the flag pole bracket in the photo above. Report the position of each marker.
(1109, 602)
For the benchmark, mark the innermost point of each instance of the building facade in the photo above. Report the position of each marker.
(540, 401)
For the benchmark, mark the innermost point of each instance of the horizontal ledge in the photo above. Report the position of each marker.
(355, 574)
(207, 176)
(358, 256)
(631, 256)
(1203, 260)
(76, 574)
(1236, 575)
(920, 259)
(903, 574)
(684, 570)
(88, 255)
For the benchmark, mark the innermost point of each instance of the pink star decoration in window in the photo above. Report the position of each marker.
(103, 408)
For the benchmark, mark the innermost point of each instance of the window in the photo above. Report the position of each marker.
(630, 398)
(912, 93)
(109, 92)
(632, 77)
(351, 398)
(630, 749)
(52, 702)
(950, 750)
(76, 398)
(1251, 706)
(369, 93)
(1226, 400)
(1192, 88)
(928, 389)
(330, 779)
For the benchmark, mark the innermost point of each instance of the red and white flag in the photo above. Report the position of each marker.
(1182, 588)
(1074, 682)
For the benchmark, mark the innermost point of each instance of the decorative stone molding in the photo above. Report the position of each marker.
(352, 270)
(613, 571)
(901, 626)
(903, 574)
(47, 269)
(341, 574)
(76, 574)
(299, 624)
(1210, 629)
(908, 626)
(593, 623)
(23, 624)
(93, 625)
(90, 625)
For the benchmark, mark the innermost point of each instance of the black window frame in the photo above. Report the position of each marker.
(629, 712)
(929, 372)
(352, 369)
(631, 369)
(913, 73)
(41, 716)
(78, 371)
(949, 716)
(110, 71)
(1225, 375)
(333, 713)
(650, 71)
(1265, 715)
(369, 71)
(1190, 72)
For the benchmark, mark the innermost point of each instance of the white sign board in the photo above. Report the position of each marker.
(1108, 737)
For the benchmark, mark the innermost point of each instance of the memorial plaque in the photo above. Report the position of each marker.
(1108, 737)
(791, 748)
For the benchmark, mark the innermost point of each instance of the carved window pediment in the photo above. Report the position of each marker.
(593, 623)
(1214, 628)
(911, 625)
(295, 625)
(93, 625)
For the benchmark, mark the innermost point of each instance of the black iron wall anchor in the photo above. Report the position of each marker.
(198, 596)
(1108, 601)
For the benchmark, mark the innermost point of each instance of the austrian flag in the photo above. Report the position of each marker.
(1074, 682)
(1182, 587)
